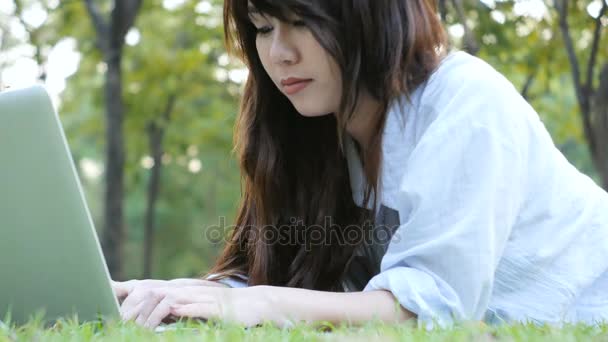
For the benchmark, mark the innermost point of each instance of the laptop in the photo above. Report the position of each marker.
(51, 262)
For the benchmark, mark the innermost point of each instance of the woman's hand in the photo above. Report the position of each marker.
(149, 306)
(123, 288)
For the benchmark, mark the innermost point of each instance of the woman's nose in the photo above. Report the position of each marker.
(283, 50)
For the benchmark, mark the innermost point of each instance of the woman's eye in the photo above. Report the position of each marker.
(264, 30)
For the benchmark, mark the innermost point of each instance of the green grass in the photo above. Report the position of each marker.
(72, 330)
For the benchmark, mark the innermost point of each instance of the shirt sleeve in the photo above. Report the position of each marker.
(462, 188)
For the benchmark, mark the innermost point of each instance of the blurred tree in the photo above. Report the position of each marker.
(7, 41)
(592, 102)
(181, 79)
(110, 41)
(519, 39)
(35, 37)
(180, 94)
(39, 36)
(156, 134)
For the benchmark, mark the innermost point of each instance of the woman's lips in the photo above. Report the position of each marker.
(291, 86)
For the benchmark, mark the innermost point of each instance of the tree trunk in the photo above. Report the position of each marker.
(115, 160)
(110, 41)
(156, 134)
(593, 104)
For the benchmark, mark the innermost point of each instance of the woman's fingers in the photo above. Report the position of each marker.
(142, 303)
(121, 288)
(194, 310)
(158, 314)
(150, 303)
(150, 306)
(132, 302)
(132, 312)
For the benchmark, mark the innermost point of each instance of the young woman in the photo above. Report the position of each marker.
(386, 177)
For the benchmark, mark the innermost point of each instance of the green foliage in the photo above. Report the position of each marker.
(177, 55)
(522, 46)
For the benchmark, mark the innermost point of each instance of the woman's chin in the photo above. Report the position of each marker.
(311, 112)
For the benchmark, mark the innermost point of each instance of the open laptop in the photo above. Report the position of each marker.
(50, 258)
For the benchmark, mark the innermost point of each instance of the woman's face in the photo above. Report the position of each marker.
(297, 64)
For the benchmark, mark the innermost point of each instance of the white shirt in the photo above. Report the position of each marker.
(490, 220)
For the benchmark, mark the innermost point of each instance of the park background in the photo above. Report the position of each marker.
(148, 97)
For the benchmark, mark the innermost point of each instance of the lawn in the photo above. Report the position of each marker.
(71, 330)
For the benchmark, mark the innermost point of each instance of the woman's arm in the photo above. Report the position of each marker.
(254, 305)
(292, 304)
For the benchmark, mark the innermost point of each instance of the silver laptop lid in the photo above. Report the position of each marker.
(50, 257)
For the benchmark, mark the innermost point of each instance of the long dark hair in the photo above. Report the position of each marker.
(385, 47)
